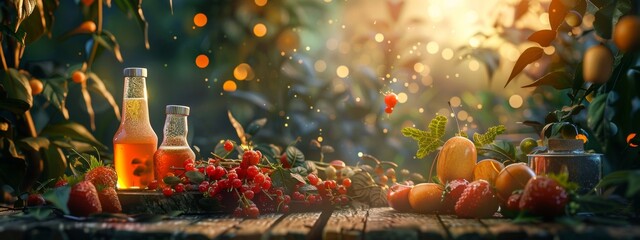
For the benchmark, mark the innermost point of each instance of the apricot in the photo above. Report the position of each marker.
(426, 197)
(597, 64)
(398, 197)
(488, 170)
(36, 86)
(626, 34)
(457, 159)
(513, 177)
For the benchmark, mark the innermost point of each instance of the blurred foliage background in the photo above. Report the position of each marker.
(316, 69)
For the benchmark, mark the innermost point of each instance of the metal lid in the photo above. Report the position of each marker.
(177, 109)
(135, 72)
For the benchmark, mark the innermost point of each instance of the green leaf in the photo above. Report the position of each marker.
(428, 141)
(18, 90)
(614, 178)
(270, 151)
(607, 17)
(73, 131)
(294, 156)
(59, 197)
(55, 163)
(529, 55)
(34, 143)
(55, 91)
(137, 11)
(97, 85)
(282, 178)
(255, 126)
(543, 37)
(171, 180)
(634, 185)
(13, 167)
(596, 119)
(505, 148)
(219, 149)
(239, 129)
(195, 176)
(557, 79)
(109, 42)
(489, 136)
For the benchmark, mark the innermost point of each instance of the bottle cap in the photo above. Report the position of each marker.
(135, 72)
(177, 109)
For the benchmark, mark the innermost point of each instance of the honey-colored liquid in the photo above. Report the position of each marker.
(134, 144)
(170, 156)
(134, 164)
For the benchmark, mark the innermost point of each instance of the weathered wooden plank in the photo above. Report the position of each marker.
(345, 224)
(295, 226)
(464, 228)
(210, 228)
(145, 201)
(252, 228)
(502, 228)
(386, 223)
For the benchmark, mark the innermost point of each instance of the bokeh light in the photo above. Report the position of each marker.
(260, 30)
(200, 20)
(229, 86)
(242, 71)
(261, 3)
(342, 71)
(515, 101)
(202, 61)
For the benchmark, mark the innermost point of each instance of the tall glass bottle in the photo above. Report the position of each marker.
(135, 142)
(174, 149)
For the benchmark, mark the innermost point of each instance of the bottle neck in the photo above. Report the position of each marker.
(135, 108)
(175, 130)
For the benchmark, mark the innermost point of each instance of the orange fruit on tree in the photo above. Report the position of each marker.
(488, 170)
(626, 34)
(78, 77)
(573, 18)
(36, 86)
(86, 27)
(597, 64)
(426, 197)
(457, 159)
(512, 177)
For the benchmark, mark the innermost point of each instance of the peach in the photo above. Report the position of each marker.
(426, 197)
(513, 177)
(488, 170)
(456, 160)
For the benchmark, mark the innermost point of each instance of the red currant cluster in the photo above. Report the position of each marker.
(328, 190)
(391, 99)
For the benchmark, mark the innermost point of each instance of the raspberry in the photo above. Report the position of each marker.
(477, 201)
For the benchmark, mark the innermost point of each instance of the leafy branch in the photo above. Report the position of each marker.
(428, 141)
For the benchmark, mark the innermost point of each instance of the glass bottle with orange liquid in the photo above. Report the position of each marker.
(135, 142)
(174, 149)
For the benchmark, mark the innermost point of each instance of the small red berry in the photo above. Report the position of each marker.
(228, 146)
(236, 183)
(344, 199)
(342, 190)
(252, 171)
(259, 178)
(285, 208)
(179, 188)
(311, 199)
(35, 199)
(253, 212)
(346, 182)
(237, 212)
(167, 192)
(333, 184)
(210, 170)
(189, 167)
(188, 161)
(232, 175)
(248, 194)
(279, 192)
(266, 185)
(203, 187)
(313, 179)
(220, 171)
(388, 110)
(153, 185)
(391, 99)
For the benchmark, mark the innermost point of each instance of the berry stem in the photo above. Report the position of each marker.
(455, 117)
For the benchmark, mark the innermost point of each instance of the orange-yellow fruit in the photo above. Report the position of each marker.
(36, 86)
(488, 170)
(456, 160)
(78, 77)
(626, 34)
(512, 177)
(425, 197)
(597, 64)
(573, 19)
(86, 27)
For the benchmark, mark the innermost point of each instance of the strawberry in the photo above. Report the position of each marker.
(544, 196)
(84, 200)
(109, 200)
(512, 207)
(101, 175)
(477, 201)
(452, 193)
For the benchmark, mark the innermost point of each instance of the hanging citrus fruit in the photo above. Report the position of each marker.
(36, 86)
(597, 64)
(78, 77)
(626, 34)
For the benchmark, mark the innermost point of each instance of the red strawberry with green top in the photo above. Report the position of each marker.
(544, 196)
(477, 201)
(101, 175)
(84, 200)
(452, 193)
(109, 200)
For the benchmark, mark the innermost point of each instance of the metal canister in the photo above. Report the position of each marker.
(568, 156)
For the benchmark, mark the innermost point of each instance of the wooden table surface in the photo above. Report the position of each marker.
(362, 223)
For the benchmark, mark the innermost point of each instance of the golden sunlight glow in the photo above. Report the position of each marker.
(433, 47)
(379, 37)
(241, 72)
(515, 101)
(447, 54)
(418, 67)
(229, 86)
(455, 101)
(474, 65)
(402, 97)
(261, 3)
(320, 66)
